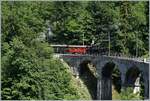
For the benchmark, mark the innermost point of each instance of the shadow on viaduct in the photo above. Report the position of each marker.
(123, 64)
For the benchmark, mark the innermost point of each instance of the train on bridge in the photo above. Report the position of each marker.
(79, 49)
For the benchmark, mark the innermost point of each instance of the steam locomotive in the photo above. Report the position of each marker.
(79, 49)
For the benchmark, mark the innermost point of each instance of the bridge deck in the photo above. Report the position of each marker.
(87, 55)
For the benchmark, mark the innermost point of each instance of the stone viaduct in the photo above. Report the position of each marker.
(123, 64)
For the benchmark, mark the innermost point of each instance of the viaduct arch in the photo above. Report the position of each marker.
(124, 65)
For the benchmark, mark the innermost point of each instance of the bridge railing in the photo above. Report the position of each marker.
(63, 49)
(121, 55)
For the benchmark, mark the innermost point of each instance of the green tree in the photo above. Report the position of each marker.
(29, 70)
(132, 18)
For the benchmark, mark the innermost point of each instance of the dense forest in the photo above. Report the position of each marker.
(29, 70)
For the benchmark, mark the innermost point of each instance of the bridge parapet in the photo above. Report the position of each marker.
(139, 59)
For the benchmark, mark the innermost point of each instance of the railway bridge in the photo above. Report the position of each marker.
(137, 68)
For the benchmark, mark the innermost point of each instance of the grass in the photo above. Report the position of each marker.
(115, 94)
(126, 94)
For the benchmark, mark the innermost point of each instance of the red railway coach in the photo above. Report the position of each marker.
(79, 50)
(73, 49)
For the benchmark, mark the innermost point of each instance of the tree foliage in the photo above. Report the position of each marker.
(81, 22)
(28, 68)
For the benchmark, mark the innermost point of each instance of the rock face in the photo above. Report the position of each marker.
(137, 85)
